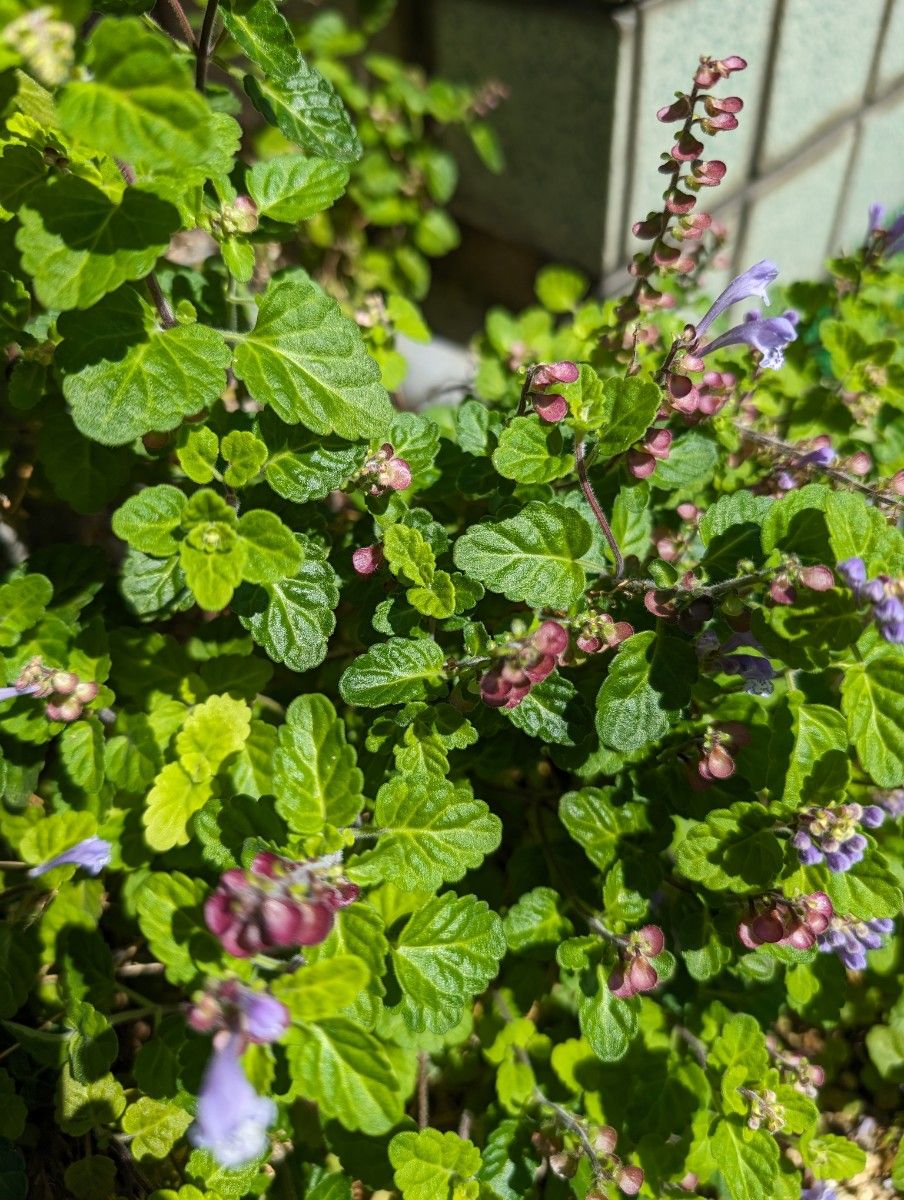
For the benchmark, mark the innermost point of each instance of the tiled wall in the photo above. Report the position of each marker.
(821, 136)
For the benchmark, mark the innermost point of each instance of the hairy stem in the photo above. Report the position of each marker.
(203, 51)
(165, 313)
(596, 507)
(774, 443)
(423, 1091)
(182, 21)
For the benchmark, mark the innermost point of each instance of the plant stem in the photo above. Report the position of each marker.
(164, 312)
(774, 443)
(587, 489)
(182, 21)
(203, 51)
(423, 1092)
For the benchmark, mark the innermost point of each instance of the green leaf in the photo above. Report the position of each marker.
(866, 890)
(553, 712)
(323, 989)
(428, 1165)
(741, 1043)
(431, 832)
(817, 768)
(447, 952)
(734, 848)
(199, 448)
(533, 556)
(147, 520)
(55, 833)
(648, 683)
(224, 826)
(212, 732)
(91, 1178)
(293, 618)
(82, 752)
(628, 409)
(124, 376)
(535, 921)
(272, 551)
(153, 585)
(315, 776)
(263, 34)
(307, 360)
(832, 1157)
(78, 244)
(532, 452)
(438, 599)
(292, 188)
(93, 1045)
(15, 306)
(246, 454)
(596, 823)
(871, 701)
(213, 558)
(608, 1023)
(154, 1127)
(307, 110)
(169, 909)
(83, 1107)
(22, 604)
(302, 466)
(140, 106)
(747, 1160)
(560, 288)
(84, 473)
(408, 553)
(347, 1073)
(858, 529)
(731, 531)
(21, 168)
(394, 672)
(691, 462)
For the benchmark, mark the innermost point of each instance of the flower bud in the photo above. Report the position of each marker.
(658, 443)
(86, 692)
(782, 590)
(64, 683)
(860, 463)
(244, 212)
(69, 710)
(551, 638)
(367, 559)
(640, 464)
(556, 372)
(719, 763)
(564, 1164)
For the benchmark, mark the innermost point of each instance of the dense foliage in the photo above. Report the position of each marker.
(495, 802)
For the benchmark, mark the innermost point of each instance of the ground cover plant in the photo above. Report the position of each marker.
(496, 802)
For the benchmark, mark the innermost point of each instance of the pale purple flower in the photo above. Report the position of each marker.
(853, 571)
(896, 236)
(769, 335)
(876, 215)
(753, 282)
(8, 693)
(265, 1019)
(232, 1120)
(92, 854)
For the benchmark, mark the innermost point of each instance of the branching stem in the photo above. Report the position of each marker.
(596, 507)
(164, 312)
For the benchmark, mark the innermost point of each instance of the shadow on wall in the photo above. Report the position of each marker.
(820, 137)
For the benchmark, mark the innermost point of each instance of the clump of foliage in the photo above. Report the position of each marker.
(488, 803)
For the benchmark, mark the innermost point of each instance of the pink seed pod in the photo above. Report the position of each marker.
(719, 763)
(687, 148)
(64, 683)
(550, 409)
(605, 1140)
(650, 228)
(659, 603)
(653, 939)
(678, 110)
(640, 464)
(818, 579)
(551, 638)
(688, 512)
(860, 463)
(720, 123)
(556, 372)
(727, 104)
(367, 559)
(680, 204)
(69, 710)
(398, 474)
(683, 396)
(734, 62)
(658, 442)
(539, 671)
(782, 591)
(588, 643)
(630, 1180)
(86, 691)
(642, 974)
(709, 174)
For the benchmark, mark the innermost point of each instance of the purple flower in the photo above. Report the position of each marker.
(824, 1189)
(232, 1120)
(768, 335)
(92, 854)
(853, 571)
(753, 282)
(896, 236)
(824, 456)
(873, 590)
(876, 215)
(889, 611)
(872, 816)
(851, 939)
(894, 633)
(266, 1019)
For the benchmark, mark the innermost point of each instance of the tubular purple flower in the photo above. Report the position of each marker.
(92, 855)
(895, 236)
(232, 1120)
(769, 335)
(265, 1019)
(876, 215)
(8, 693)
(753, 282)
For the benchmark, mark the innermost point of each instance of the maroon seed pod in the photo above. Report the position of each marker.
(687, 148)
(727, 104)
(642, 974)
(658, 443)
(659, 603)
(555, 372)
(605, 1140)
(767, 927)
(589, 644)
(782, 590)
(640, 464)
(650, 228)
(678, 110)
(550, 409)
(653, 938)
(709, 174)
(620, 985)
(541, 669)
(516, 695)
(551, 638)
(679, 204)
